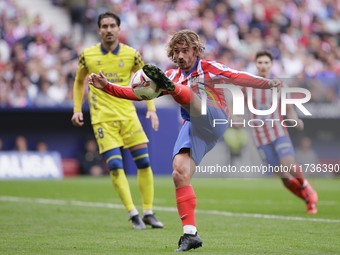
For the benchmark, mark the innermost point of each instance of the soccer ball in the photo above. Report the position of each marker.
(143, 87)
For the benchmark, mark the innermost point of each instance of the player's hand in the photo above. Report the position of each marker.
(152, 115)
(300, 125)
(98, 81)
(275, 83)
(77, 119)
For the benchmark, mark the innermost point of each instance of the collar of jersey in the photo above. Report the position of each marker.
(104, 51)
(192, 69)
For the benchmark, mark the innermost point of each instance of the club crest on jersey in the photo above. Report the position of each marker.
(121, 63)
(99, 63)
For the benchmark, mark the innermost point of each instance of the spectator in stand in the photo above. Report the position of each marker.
(41, 146)
(77, 10)
(58, 90)
(44, 98)
(21, 144)
(90, 160)
(18, 96)
(300, 35)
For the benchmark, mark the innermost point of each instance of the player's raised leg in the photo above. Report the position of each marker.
(182, 94)
(159, 77)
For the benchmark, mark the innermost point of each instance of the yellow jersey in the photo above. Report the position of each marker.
(118, 67)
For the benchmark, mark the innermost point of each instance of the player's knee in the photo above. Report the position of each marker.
(113, 159)
(115, 164)
(141, 158)
(179, 175)
(142, 162)
(176, 176)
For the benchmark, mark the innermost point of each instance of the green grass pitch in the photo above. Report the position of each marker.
(234, 216)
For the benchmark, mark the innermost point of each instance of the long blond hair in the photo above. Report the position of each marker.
(187, 37)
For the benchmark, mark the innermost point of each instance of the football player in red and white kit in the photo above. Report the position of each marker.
(189, 84)
(272, 138)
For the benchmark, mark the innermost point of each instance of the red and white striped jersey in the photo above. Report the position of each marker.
(262, 99)
(206, 74)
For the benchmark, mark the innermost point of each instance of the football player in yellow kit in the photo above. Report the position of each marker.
(114, 120)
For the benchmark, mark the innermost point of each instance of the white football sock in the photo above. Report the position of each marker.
(133, 212)
(189, 229)
(147, 212)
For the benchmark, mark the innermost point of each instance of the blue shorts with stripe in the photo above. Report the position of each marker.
(199, 134)
(281, 147)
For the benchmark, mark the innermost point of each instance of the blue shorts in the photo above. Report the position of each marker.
(199, 135)
(272, 153)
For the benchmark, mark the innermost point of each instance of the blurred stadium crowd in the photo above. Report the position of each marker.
(37, 66)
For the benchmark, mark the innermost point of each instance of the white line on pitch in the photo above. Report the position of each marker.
(160, 208)
(257, 202)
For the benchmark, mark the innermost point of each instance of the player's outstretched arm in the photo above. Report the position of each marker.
(100, 82)
(248, 80)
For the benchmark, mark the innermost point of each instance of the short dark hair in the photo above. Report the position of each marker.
(108, 15)
(264, 53)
